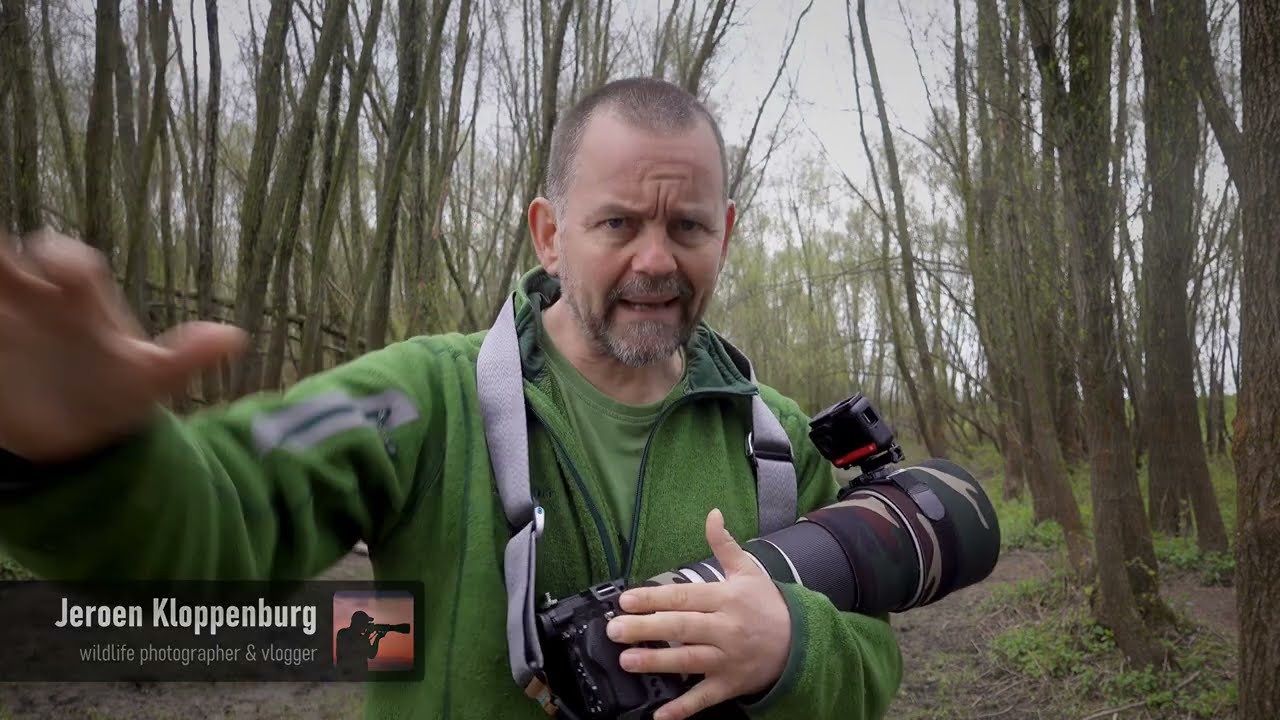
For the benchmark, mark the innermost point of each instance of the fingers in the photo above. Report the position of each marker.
(20, 283)
(695, 597)
(682, 659)
(185, 350)
(671, 626)
(84, 279)
(711, 691)
(732, 557)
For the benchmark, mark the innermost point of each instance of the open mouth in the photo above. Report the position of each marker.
(648, 305)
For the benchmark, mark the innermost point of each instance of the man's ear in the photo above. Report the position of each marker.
(730, 216)
(543, 226)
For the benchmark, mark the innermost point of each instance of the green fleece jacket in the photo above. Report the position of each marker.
(390, 448)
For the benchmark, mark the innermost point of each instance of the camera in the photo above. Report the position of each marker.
(385, 628)
(894, 540)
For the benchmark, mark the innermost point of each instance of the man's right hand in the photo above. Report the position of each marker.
(76, 369)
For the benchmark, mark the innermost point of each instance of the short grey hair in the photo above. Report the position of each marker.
(650, 104)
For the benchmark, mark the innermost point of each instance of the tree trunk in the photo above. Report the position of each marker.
(1068, 415)
(548, 113)
(933, 429)
(6, 149)
(887, 294)
(1197, 58)
(343, 165)
(268, 92)
(1025, 284)
(26, 139)
(1126, 337)
(409, 51)
(1127, 569)
(280, 212)
(100, 132)
(1257, 423)
(1176, 460)
(137, 212)
(210, 379)
(711, 37)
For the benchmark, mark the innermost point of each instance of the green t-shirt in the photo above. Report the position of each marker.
(613, 434)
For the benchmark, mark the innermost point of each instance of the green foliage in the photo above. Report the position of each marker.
(1068, 648)
(1056, 648)
(1040, 592)
(1181, 552)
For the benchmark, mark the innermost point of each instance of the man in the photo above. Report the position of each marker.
(356, 644)
(637, 426)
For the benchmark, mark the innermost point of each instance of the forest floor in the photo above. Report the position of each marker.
(1020, 644)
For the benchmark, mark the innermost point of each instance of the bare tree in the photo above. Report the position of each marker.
(26, 139)
(284, 199)
(70, 157)
(210, 385)
(1257, 422)
(137, 212)
(332, 199)
(932, 428)
(99, 133)
(1178, 468)
(1126, 558)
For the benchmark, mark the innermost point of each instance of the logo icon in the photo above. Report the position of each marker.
(373, 631)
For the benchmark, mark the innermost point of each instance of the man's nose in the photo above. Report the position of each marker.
(653, 255)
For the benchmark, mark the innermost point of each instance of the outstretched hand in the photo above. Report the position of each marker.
(736, 633)
(76, 369)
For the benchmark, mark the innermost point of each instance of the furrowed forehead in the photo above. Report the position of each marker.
(617, 161)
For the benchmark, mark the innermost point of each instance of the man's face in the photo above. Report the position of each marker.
(641, 237)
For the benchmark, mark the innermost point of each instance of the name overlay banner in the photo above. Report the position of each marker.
(327, 631)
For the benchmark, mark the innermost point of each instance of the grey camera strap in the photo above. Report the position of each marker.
(500, 384)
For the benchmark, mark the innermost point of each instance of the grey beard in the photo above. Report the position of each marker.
(649, 341)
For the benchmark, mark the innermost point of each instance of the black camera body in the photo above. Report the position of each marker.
(581, 662)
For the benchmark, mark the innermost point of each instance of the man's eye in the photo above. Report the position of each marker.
(615, 223)
(688, 225)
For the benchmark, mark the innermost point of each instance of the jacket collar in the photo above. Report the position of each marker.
(712, 366)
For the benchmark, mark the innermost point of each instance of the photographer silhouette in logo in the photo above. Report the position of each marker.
(358, 643)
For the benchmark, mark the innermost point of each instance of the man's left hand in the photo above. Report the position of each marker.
(737, 633)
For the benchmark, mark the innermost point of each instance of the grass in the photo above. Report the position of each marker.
(1064, 657)
(1047, 644)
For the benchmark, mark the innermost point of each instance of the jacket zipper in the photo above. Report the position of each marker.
(610, 559)
(644, 461)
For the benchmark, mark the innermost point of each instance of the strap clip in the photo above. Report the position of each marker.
(539, 521)
(777, 453)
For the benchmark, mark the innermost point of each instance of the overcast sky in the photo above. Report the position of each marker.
(819, 70)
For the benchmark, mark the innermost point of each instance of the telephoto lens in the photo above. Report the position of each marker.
(877, 551)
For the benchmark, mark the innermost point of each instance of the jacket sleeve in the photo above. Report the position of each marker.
(271, 486)
(841, 664)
